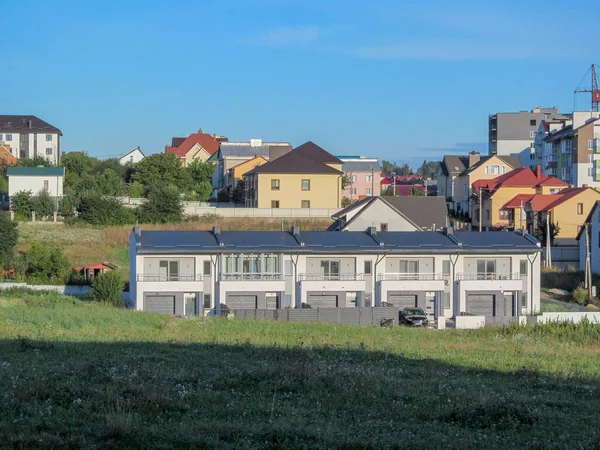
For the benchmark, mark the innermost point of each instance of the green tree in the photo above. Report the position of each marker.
(164, 168)
(110, 183)
(43, 204)
(163, 205)
(34, 162)
(346, 202)
(9, 235)
(104, 211)
(3, 185)
(222, 196)
(429, 169)
(136, 190)
(45, 263)
(107, 288)
(416, 192)
(238, 194)
(20, 203)
(540, 232)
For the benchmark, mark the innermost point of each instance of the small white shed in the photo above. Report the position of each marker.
(36, 179)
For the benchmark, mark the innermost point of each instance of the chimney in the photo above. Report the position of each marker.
(277, 151)
(216, 231)
(474, 158)
(200, 131)
(137, 230)
(585, 185)
(295, 231)
(372, 231)
(538, 171)
(30, 124)
(448, 231)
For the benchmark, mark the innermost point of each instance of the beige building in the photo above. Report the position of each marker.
(305, 177)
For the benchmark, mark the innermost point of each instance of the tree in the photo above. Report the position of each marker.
(163, 205)
(34, 162)
(107, 288)
(404, 170)
(346, 181)
(9, 235)
(387, 192)
(46, 263)
(238, 194)
(429, 169)
(416, 192)
(110, 183)
(223, 196)
(43, 204)
(540, 232)
(164, 168)
(104, 211)
(136, 189)
(389, 167)
(346, 202)
(20, 203)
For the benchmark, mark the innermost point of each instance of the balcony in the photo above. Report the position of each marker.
(409, 276)
(167, 279)
(410, 282)
(251, 277)
(252, 282)
(177, 283)
(487, 276)
(498, 282)
(331, 277)
(343, 282)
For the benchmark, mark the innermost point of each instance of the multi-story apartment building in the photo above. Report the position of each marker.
(363, 176)
(445, 273)
(513, 133)
(30, 137)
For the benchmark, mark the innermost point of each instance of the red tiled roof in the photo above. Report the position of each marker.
(547, 202)
(206, 141)
(519, 201)
(522, 177)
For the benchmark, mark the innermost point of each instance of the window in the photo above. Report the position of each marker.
(287, 266)
(590, 171)
(207, 301)
(409, 267)
(306, 203)
(353, 178)
(353, 191)
(523, 299)
(46, 185)
(487, 170)
(532, 134)
(330, 268)
(383, 226)
(579, 208)
(8, 137)
(486, 269)
(531, 145)
(368, 268)
(288, 300)
(207, 267)
(446, 268)
(48, 150)
(590, 144)
(275, 185)
(495, 170)
(502, 169)
(487, 214)
(503, 213)
(48, 138)
(168, 270)
(532, 122)
(306, 185)
(274, 203)
(446, 297)
(523, 268)
(251, 267)
(590, 158)
(131, 159)
(369, 191)
(369, 178)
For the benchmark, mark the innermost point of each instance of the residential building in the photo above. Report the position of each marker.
(30, 137)
(504, 198)
(36, 179)
(197, 146)
(458, 173)
(231, 154)
(132, 157)
(591, 233)
(236, 173)
(6, 156)
(408, 185)
(445, 273)
(306, 177)
(568, 209)
(513, 133)
(363, 177)
(544, 154)
(392, 214)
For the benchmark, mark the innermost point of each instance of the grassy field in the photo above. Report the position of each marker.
(81, 375)
(84, 245)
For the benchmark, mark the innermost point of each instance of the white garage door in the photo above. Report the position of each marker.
(403, 300)
(480, 304)
(323, 301)
(241, 301)
(164, 304)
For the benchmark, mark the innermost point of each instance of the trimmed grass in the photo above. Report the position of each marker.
(83, 375)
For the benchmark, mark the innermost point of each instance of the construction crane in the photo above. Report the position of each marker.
(593, 90)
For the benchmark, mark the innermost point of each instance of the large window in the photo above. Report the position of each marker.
(523, 268)
(368, 267)
(8, 137)
(168, 270)
(446, 268)
(369, 178)
(486, 269)
(207, 265)
(252, 267)
(330, 268)
(408, 267)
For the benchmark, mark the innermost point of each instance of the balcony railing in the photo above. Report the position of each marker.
(409, 276)
(165, 278)
(251, 276)
(488, 276)
(331, 277)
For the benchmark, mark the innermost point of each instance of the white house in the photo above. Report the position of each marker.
(132, 157)
(30, 137)
(36, 179)
(591, 228)
(492, 274)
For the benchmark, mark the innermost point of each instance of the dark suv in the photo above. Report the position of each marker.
(413, 317)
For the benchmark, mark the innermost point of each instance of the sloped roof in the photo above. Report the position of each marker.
(131, 151)
(361, 166)
(518, 201)
(550, 201)
(423, 211)
(204, 140)
(295, 162)
(246, 150)
(522, 177)
(36, 171)
(316, 153)
(454, 164)
(17, 123)
(510, 160)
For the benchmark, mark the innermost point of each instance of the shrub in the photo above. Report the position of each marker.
(20, 203)
(104, 211)
(3, 185)
(223, 196)
(163, 205)
(107, 288)
(9, 235)
(43, 204)
(44, 263)
(580, 295)
(136, 189)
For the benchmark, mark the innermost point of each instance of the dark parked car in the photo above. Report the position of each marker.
(413, 317)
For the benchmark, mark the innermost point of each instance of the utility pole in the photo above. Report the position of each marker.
(480, 208)
(372, 182)
(425, 187)
(548, 248)
(394, 182)
(588, 262)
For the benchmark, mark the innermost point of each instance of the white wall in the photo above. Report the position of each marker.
(380, 212)
(519, 148)
(53, 145)
(135, 156)
(35, 184)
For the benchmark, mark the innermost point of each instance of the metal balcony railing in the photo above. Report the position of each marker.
(165, 278)
(331, 277)
(488, 276)
(409, 276)
(251, 276)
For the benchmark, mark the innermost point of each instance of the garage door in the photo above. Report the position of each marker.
(403, 301)
(241, 301)
(164, 304)
(323, 301)
(480, 304)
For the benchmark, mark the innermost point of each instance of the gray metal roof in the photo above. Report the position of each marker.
(202, 242)
(361, 166)
(35, 171)
(244, 149)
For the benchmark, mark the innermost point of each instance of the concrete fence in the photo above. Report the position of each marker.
(575, 317)
(76, 291)
(563, 257)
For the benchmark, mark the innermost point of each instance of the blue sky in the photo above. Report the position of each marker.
(400, 80)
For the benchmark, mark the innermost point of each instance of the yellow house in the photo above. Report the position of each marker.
(305, 177)
(568, 209)
(236, 173)
(500, 202)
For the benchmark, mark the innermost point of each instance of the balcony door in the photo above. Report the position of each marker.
(410, 269)
(486, 269)
(330, 269)
(168, 270)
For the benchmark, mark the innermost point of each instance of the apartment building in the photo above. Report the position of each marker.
(364, 176)
(445, 273)
(513, 133)
(30, 137)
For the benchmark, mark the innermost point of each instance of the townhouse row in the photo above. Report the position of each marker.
(444, 272)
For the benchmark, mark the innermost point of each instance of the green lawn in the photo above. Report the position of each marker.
(81, 375)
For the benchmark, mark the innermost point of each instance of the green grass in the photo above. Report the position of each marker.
(83, 375)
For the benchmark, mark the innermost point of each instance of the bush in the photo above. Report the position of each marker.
(9, 235)
(580, 295)
(107, 288)
(163, 205)
(136, 189)
(104, 211)
(223, 196)
(20, 203)
(43, 204)
(43, 263)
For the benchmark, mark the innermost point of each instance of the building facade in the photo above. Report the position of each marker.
(132, 157)
(445, 273)
(197, 146)
(363, 177)
(36, 179)
(30, 137)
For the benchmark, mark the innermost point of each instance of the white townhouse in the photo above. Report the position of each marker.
(492, 274)
(30, 137)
